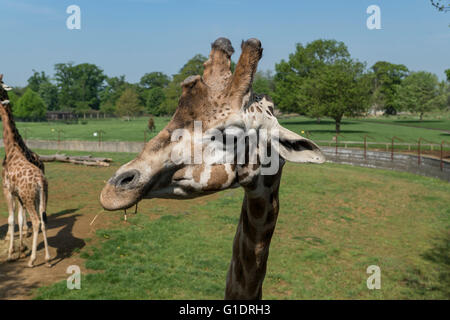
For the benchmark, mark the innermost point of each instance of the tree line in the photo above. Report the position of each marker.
(320, 79)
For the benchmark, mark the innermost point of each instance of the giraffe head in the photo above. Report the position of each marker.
(218, 137)
(4, 100)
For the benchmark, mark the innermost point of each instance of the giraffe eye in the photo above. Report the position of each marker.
(297, 145)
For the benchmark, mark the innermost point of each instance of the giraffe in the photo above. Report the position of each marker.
(220, 104)
(151, 124)
(23, 179)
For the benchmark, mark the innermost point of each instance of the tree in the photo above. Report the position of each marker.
(13, 99)
(154, 79)
(108, 108)
(65, 80)
(447, 88)
(263, 83)
(337, 90)
(30, 106)
(441, 5)
(321, 79)
(151, 90)
(173, 91)
(128, 104)
(291, 74)
(386, 78)
(49, 93)
(36, 80)
(79, 85)
(420, 92)
(41, 83)
(114, 88)
(155, 98)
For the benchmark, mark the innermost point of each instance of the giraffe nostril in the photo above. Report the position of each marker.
(127, 179)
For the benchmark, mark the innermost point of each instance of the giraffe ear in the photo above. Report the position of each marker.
(295, 148)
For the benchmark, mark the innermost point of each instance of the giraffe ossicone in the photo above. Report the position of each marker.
(239, 142)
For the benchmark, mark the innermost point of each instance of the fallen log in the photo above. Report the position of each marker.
(83, 160)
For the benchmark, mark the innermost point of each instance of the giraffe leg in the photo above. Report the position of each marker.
(11, 208)
(8, 233)
(25, 224)
(35, 223)
(20, 220)
(43, 217)
(44, 234)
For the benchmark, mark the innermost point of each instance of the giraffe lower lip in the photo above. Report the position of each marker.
(112, 199)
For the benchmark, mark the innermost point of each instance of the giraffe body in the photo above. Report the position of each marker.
(236, 125)
(23, 180)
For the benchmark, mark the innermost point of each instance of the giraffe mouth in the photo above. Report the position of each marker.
(125, 190)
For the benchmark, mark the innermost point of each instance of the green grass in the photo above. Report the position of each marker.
(432, 120)
(430, 124)
(356, 129)
(115, 129)
(334, 222)
(381, 130)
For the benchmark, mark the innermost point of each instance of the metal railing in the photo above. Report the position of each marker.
(389, 146)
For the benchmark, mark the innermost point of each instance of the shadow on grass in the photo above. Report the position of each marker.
(439, 256)
(64, 241)
(11, 274)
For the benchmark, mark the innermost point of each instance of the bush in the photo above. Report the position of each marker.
(128, 104)
(30, 107)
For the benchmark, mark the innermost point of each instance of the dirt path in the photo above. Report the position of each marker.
(66, 231)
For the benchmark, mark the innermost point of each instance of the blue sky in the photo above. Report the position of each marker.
(132, 37)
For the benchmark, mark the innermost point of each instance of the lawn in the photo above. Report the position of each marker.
(334, 222)
(433, 120)
(381, 130)
(113, 129)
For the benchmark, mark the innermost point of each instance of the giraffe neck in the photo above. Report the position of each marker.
(252, 240)
(12, 140)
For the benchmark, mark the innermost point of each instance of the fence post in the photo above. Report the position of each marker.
(365, 147)
(336, 152)
(100, 132)
(392, 149)
(59, 137)
(26, 134)
(442, 156)
(418, 152)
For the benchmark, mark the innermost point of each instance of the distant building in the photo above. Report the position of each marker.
(61, 116)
